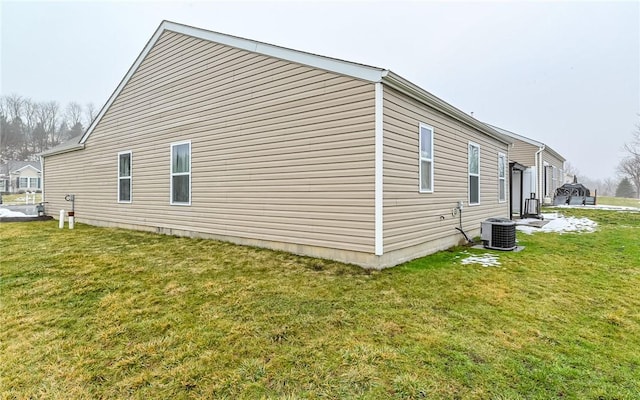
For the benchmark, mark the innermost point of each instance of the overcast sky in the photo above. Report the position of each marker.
(563, 73)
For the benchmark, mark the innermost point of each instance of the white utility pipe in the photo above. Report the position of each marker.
(71, 222)
(61, 220)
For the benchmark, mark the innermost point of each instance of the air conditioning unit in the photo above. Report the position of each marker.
(498, 234)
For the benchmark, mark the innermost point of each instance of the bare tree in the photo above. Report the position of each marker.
(630, 165)
(609, 186)
(13, 104)
(90, 113)
(47, 117)
(73, 113)
(570, 171)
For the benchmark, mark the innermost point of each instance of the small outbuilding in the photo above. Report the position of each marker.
(216, 136)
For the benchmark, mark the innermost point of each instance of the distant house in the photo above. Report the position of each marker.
(543, 170)
(20, 176)
(217, 136)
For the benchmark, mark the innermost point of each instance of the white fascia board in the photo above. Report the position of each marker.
(364, 72)
(517, 136)
(26, 166)
(359, 71)
(379, 173)
(412, 90)
(528, 140)
(68, 149)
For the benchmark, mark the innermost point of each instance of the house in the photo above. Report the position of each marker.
(20, 176)
(536, 167)
(216, 136)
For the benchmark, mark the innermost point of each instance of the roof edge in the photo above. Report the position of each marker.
(397, 82)
(359, 71)
(529, 140)
(355, 70)
(26, 166)
(69, 149)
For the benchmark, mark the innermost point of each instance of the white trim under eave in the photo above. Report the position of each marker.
(360, 71)
(379, 158)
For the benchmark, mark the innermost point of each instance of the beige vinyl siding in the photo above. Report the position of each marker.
(523, 153)
(553, 161)
(412, 218)
(280, 151)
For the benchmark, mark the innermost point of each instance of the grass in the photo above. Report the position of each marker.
(618, 201)
(108, 313)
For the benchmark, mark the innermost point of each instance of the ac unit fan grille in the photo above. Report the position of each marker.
(503, 236)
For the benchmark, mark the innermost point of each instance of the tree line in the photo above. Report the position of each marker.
(627, 183)
(29, 127)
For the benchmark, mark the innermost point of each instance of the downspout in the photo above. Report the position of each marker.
(42, 178)
(538, 181)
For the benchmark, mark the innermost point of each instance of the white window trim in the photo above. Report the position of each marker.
(469, 174)
(171, 174)
(130, 177)
(504, 180)
(35, 180)
(420, 158)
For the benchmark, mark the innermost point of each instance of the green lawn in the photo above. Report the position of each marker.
(108, 313)
(618, 201)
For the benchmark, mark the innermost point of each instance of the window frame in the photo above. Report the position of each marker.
(25, 180)
(469, 174)
(37, 181)
(173, 174)
(502, 182)
(129, 177)
(421, 159)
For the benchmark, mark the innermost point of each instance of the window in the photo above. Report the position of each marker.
(24, 183)
(124, 177)
(34, 183)
(181, 173)
(502, 177)
(426, 159)
(474, 173)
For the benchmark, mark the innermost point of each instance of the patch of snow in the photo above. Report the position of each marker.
(486, 260)
(6, 213)
(558, 223)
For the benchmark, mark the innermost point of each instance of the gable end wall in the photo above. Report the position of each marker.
(282, 154)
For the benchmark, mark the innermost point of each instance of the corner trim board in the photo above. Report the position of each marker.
(379, 155)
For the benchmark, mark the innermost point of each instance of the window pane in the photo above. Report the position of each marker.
(125, 189)
(180, 189)
(502, 189)
(474, 189)
(425, 143)
(425, 175)
(125, 165)
(501, 169)
(473, 159)
(180, 161)
(24, 182)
